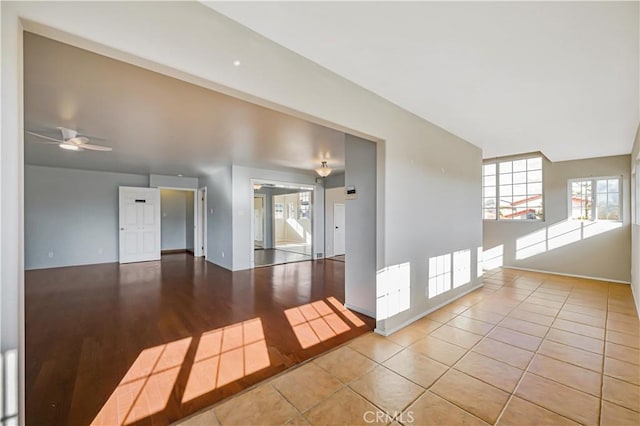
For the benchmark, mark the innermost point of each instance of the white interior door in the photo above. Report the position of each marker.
(338, 229)
(139, 224)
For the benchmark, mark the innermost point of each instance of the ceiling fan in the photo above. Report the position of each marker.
(71, 140)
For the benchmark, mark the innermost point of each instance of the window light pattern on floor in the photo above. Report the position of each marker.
(225, 355)
(316, 322)
(146, 387)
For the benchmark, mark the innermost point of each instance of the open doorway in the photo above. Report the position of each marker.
(182, 221)
(282, 225)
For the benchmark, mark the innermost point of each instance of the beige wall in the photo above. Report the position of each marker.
(606, 255)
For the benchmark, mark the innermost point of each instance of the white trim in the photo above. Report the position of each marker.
(567, 275)
(204, 245)
(360, 310)
(264, 218)
(427, 312)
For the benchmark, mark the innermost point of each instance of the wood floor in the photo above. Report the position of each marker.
(150, 343)
(267, 257)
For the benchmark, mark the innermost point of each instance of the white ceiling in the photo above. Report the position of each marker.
(510, 77)
(154, 123)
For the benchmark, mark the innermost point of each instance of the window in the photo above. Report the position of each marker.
(512, 190)
(305, 204)
(595, 199)
(278, 210)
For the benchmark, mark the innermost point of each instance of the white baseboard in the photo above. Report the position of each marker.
(360, 310)
(567, 275)
(424, 314)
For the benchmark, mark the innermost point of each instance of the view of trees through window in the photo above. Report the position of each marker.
(512, 190)
(595, 199)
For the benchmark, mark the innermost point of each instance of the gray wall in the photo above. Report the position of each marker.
(73, 214)
(219, 217)
(190, 223)
(606, 255)
(360, 226)
(334, 180)
(174, 219)
(156, 181)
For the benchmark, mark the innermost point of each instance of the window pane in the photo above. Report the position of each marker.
(613, 185)
(613, 213)
(534, 163)
(489, 203)
(506, 190)
(520, 189)
(601, 206)
(506, 178)
(535, 202)
(520, 177)
(602, 186)
(490, 191)
(535, 176)
(489, 214)
(489, 169)
(505, 167)
(534, 188)
(520, 166)
(489, 180)
(612, 200)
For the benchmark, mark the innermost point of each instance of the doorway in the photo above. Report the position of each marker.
(183, 221)
(282, 225)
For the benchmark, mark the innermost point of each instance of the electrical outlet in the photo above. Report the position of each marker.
(222, 254)
(99, 251)
(50, 254)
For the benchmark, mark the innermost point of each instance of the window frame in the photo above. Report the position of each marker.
(594, 192)
(496, 162)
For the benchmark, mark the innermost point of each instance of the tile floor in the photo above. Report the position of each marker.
(527, 349)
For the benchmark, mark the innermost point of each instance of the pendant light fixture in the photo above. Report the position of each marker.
(324, 170)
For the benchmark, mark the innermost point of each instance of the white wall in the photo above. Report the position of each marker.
(219, 217)
(242, 193)
(174, 219)
(635, 226)
(418, 162)
(606, 255)
(332, 196)
(72, 214)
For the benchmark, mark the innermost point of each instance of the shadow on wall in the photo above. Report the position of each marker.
(547, 239)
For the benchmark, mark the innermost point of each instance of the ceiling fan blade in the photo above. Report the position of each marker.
(44, 137)
(94, 147)
(95, 138)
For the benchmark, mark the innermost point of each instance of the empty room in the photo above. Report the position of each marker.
(325, 213)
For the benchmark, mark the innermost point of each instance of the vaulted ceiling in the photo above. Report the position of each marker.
(510, 77)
